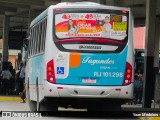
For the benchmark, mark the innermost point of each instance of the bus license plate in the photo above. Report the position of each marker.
(85, 80)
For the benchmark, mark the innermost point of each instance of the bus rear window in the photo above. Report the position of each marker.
(92, 25)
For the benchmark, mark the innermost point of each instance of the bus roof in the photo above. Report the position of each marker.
(39, 18)
(89, 4)
(75, 5)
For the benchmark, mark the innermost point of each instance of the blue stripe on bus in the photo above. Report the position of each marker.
(36, 69)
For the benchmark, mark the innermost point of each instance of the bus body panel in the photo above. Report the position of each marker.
(101, 69)
(36, 69)
(75, 91)
(34, 74)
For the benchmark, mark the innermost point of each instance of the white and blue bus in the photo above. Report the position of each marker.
(81, 55)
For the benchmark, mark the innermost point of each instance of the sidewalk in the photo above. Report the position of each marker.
(138, 108)
(153, 105)
(125, 107)
(10, 98)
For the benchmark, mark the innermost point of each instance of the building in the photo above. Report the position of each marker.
(12, 54)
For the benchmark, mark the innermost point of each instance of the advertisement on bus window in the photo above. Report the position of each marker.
(68, 25)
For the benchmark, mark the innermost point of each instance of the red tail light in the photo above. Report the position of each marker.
(124, 11)
(57, 10)
(50, 72)
(127, 75)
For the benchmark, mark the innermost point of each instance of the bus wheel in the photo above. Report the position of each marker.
(32, 104)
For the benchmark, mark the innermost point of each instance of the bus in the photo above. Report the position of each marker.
(80, 55)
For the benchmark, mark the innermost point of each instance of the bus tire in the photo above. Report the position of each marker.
(32, 104)
(45, 106)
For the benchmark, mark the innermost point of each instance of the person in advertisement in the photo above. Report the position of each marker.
(72, 29)
(106, 27)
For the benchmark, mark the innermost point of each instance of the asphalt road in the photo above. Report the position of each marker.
(22, 109)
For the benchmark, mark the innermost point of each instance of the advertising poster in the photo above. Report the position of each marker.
(69, 25)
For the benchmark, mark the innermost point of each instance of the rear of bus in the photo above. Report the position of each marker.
(90, 60)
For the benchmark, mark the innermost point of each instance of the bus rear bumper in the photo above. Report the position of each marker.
(75, 91)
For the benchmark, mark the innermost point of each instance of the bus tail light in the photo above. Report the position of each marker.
(124, 12)
(57, 10)
(50, 72)
(128, 74)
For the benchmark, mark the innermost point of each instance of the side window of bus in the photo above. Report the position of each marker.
(36, 41)
(37, 38)
(41, 37)
(29, 45)
(33, 40)
(43, 27)
(44, 34)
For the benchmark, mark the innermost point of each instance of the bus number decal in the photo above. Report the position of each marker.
(108, 74)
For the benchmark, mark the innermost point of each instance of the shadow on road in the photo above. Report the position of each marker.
(89, 115)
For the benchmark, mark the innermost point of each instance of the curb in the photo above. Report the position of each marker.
(9, 98)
